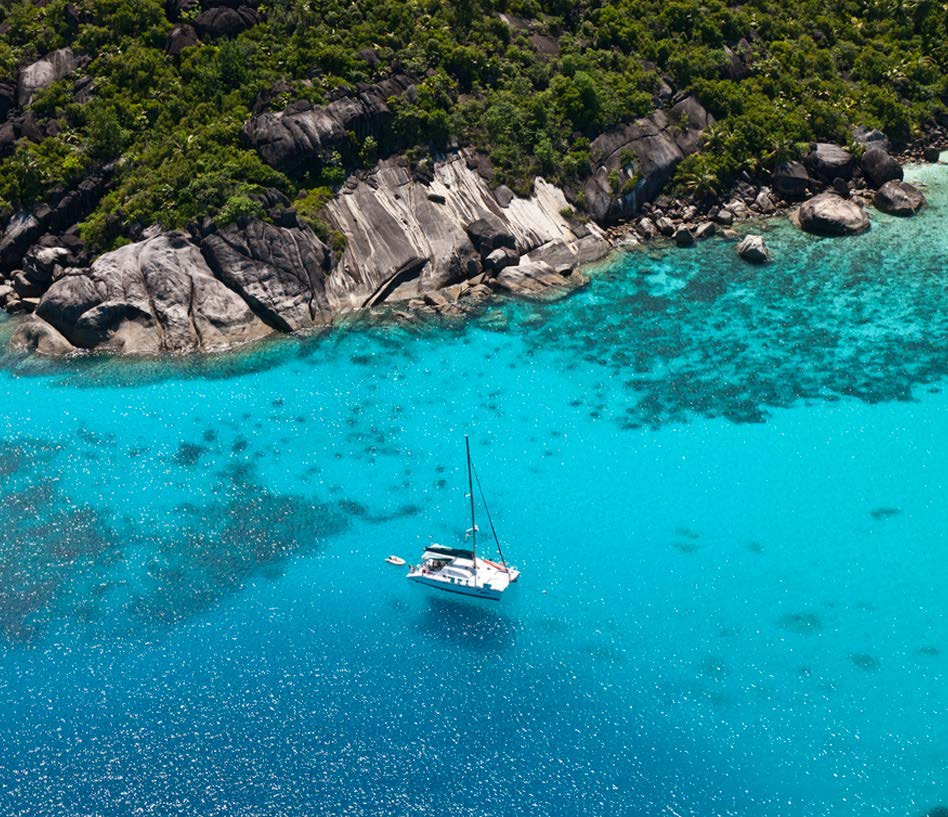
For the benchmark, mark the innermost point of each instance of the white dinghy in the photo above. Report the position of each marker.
(459, 570)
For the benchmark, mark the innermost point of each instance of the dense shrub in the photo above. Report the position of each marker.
(529, 82)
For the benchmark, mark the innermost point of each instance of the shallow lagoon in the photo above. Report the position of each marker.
(725, 487)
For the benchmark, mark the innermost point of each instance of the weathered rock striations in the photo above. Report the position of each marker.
(400, 242)
(404, 238)
(280, 272)
(632, 163)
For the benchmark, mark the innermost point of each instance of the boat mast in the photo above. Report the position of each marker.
(470, 493)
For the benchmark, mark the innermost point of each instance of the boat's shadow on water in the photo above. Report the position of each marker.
(477, 625)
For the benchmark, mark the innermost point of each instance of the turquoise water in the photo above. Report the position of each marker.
(725, 486)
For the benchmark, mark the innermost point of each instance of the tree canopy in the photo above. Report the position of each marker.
(529, 82)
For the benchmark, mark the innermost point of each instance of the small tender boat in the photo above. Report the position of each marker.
(459, 570)
(395, 560)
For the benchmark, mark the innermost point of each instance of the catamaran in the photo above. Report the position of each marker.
(459, 570)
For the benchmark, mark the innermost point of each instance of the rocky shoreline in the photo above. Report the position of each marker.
(434, 236)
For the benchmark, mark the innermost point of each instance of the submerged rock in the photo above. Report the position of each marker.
(829, 214)
(752, 248)
(899, 198)
(154, 296)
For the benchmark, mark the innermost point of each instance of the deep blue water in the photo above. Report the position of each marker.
(725, 487)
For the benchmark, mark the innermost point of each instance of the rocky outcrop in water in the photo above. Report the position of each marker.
(752, 248)
(538, 280)
(156, 296)
(899, 198)
(631, 163)
(446, 240)
(303, 136)
(830, 214)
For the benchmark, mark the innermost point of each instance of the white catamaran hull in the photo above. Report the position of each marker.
(456, 587)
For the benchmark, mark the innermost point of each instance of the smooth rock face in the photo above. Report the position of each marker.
(879, 167)
(303, 136)
(616, 190)
(827, 161)
(899, 198)
(43, 73)
(154, 296)
(280, 272)
(828, 214)
(752, 248)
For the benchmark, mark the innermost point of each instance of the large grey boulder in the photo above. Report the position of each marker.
(899, 198)
(151, 297)
(304, 136)
(870, 138)
(536, 280)
(223, 21)
(752, 248)
(791, 181)
(280, 272)
(33, 334)
(879, 167)
(44, 72)
(827, 161)
(829, 214)
(631, 163)
(26, 228)
(181, 37)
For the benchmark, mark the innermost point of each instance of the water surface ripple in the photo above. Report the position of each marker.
(724, 484)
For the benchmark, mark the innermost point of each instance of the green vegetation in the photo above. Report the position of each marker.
(531, 90)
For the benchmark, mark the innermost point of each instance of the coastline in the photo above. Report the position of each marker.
(560, 251)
